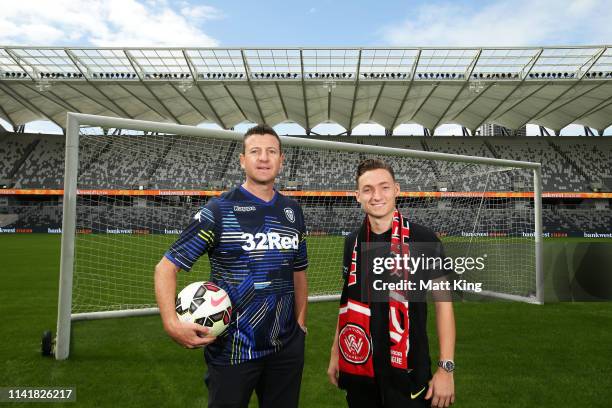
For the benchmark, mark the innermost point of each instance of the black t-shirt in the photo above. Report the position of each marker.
(379, 321)
(419, 361)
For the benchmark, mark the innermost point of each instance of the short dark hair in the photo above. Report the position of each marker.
(261, 129)
(372, 164)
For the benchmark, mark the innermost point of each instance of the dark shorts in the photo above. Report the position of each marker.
(384, 395)
(276, 379)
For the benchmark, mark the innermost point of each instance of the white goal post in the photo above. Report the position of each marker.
(121, 189)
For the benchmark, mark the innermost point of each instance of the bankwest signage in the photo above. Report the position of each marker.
(55, 229)
(409, 194)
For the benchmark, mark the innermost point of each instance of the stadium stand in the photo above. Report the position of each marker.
(117, 162)
(570, 164)
(558, 175)
(31, 215)
(593, 159)
(13, 152)
(172, 173)
(587, 219)
(43, 167)
(499, 181)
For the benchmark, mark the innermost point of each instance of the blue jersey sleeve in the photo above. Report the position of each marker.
(301, 260)
(199, 236)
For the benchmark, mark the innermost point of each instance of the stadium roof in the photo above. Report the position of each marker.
(511, 86)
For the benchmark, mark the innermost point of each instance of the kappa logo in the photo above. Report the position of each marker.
(290, 214)
(238, 208)
(354, 344)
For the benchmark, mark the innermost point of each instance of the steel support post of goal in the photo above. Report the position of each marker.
(64, 309)
(537, 205)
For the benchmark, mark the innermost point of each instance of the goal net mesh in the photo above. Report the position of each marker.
(138, 191)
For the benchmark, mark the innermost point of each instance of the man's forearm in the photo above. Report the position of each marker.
(300, 285)
(445, 322)
(165, 290)
(334, 348)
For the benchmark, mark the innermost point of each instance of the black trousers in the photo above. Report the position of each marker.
(383, 395)
(276, 379)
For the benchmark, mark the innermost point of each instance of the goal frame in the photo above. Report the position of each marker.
(76, 120)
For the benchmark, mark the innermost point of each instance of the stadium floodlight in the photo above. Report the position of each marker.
(330, 85)
(43, 85)
(113, 236)
(185, 85)
(476, 86)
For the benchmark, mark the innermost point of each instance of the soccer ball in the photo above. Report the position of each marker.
(205, 303)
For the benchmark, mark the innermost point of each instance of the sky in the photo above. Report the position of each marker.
(139, 23)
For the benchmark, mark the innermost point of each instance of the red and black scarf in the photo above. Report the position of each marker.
(354, 337)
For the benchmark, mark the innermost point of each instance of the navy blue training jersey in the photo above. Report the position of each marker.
(254, 248)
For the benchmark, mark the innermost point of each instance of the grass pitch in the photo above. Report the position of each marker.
(508, 354)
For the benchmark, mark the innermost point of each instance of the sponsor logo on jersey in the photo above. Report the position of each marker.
(239, 208)
(354, 344)
(290, 214)
(270, 240)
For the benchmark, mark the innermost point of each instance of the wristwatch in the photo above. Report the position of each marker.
(447, 365)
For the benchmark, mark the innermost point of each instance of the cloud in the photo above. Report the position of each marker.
(125, 23)
(503, 23)
(202, 13)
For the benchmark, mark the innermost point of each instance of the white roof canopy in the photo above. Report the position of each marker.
(550, 86)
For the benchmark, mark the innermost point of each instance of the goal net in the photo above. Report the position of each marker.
(133, 186)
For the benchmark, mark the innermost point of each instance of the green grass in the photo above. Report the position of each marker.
(508, 354)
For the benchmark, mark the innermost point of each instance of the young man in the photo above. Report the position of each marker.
(255, 240)
(380, 353)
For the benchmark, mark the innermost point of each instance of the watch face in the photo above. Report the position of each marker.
(449, 366)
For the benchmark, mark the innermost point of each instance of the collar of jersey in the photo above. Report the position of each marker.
(258, 200)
